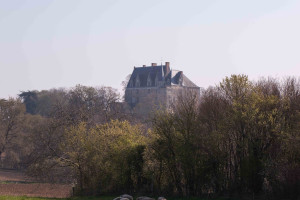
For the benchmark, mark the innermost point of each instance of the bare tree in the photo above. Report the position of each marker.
(11, 113)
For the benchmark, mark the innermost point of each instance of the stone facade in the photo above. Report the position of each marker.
(152, 87)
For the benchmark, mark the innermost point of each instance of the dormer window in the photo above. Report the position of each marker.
(156, 81)
(180, 80)
(137, 82)
(149, 83)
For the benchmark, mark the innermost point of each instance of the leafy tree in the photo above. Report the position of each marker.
(105, 157)
(30, 100)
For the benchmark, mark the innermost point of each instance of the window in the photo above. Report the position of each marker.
(149, 91)
(180, 81)
(137, 91)
(137, 83)
(149, 82)
(169, 81)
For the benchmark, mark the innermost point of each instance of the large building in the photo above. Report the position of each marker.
(155, 86)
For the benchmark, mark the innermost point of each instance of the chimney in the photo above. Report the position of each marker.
(153, 64)
(167, 67)
(168, 64)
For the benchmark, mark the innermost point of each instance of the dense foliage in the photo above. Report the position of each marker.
(240, 138)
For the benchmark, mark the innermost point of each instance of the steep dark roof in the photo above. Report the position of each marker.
(173, 77)
(177, 77)
(163, 73)
(144, 72)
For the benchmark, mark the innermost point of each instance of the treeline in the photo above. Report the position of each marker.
(33, 125)
(240, 138)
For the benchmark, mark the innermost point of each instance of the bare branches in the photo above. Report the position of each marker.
(11, 113)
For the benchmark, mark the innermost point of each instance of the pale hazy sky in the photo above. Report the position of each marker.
(61, 43)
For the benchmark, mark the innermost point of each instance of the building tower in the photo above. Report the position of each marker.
(155, 86)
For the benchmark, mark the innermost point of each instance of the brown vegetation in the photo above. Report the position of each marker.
(17, 183)
(36, 190)
(13, 175)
